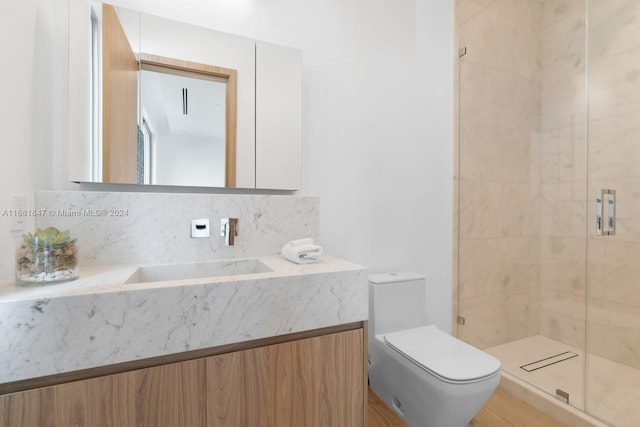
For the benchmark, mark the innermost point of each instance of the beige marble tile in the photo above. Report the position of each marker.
(539, 399)
(562, 316)
(526, 13)
(501, 42)
(563, 101)
(495, 153)
(568, 70)
(613, 147)
(468, 9)
(614, 310)
(497, 266)
(613, 332)
(498, 209)
(613, 391)
(534, 309)
(613, 84)
(569, 277)
(563, 153)
(496, 97)
(495, 319)
(549, 405)
(566, 375)
(563, 65)
(562, 211)
(563, 40)
(557, 11)
(563, 249)
(614, 26)
(614, 272)
(609, 391)
(563, 264)
(535, 158)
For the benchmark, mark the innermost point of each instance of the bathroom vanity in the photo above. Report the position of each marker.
(269, 343)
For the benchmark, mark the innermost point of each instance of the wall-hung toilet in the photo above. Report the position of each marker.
(428, 377)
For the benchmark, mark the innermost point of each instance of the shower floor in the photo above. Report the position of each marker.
(613, 389)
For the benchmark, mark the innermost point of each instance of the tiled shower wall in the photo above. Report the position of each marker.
(563, 173)
(523, 209)
(614, 163)
(499, 191)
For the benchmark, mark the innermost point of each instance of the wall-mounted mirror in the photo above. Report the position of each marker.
(187, 136)
(176, 104)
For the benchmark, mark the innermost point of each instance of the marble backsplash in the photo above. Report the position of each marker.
(149, 228)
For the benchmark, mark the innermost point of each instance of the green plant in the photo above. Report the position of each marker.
(49, 237)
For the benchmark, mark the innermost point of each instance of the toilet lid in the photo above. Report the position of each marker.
(443, 355)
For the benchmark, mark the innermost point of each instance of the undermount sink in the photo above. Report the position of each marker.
(158, 273)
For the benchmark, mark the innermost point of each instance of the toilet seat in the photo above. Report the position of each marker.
(442, 355)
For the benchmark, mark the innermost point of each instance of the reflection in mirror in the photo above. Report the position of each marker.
(115, 104)
(188, 116)
(171, 108)
(182, 129)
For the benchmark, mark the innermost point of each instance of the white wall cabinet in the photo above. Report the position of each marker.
(278, 117)
(269, 94)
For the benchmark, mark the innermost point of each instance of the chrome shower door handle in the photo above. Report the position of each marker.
(598, 216)
(606, 213)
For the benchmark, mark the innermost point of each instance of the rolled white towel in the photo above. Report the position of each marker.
(302, 251)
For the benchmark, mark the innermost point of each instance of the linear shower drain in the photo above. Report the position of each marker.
(547, 361)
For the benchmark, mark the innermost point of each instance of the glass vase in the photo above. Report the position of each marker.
(47, 257)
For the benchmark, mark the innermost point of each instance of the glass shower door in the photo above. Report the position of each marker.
(613, 310)
(548, 180)
(522, 189)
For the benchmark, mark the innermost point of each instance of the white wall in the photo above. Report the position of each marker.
(435, 69)
(377, 123)
(33, 86)
(183, 159)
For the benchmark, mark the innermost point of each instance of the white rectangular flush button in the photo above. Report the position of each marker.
(200, 227)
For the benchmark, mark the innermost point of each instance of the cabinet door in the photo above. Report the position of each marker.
(311, 382)
(171, 395)
(278, 117)
(30, 408)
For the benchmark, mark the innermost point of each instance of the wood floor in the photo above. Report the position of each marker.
(501, 410)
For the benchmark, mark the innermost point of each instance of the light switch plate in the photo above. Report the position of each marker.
(18, 203)
(200, 227)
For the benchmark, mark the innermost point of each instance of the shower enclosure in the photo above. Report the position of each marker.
(548, 194)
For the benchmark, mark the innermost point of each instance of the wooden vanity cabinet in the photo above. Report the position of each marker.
(315, 381)
(168, 395)
(311, 382)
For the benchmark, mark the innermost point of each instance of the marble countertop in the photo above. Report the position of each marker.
(99, 320)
